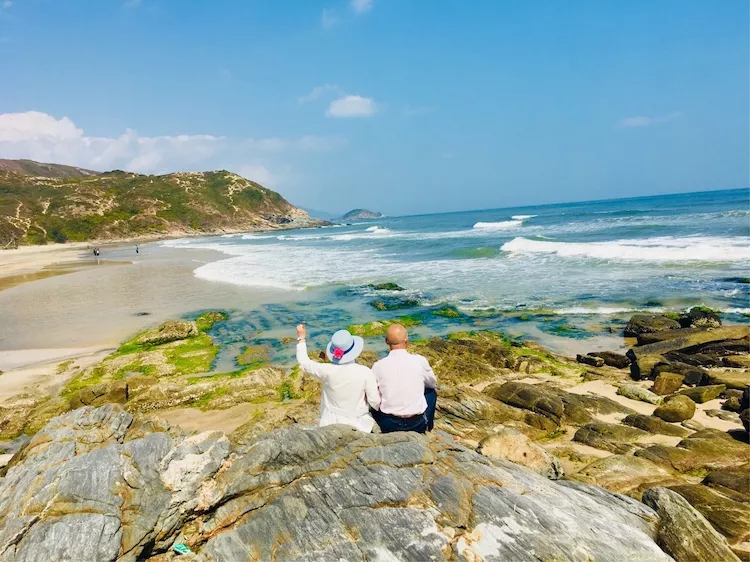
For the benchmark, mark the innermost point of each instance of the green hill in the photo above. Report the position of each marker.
(42, 203)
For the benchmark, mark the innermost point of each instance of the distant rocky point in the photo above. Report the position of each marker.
(360, 214)
(41, 203)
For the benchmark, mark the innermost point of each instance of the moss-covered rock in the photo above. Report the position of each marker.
(447, 312)
(254, 356)
(683, 532)
(207, 320)
(626, 474)
(730, 518)
(652, 424)
(648, 323)
(704, 450)
(676, 409)
(393, 303)
(168, 332)
(390, 286)
(610, 437)
(702, 394)
(379, 327)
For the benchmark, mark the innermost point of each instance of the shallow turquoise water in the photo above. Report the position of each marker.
(592, 264)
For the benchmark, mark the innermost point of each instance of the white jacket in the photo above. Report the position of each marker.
(348, 389)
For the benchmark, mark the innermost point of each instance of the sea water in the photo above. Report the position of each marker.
(576, 265)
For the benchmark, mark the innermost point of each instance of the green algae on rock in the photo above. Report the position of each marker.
(379, 327)
(447, 312)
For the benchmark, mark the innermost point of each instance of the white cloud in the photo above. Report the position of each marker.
(351, 106)
(328, 19)
(257, 173)
(361, 6)
(39, 136)
(642, 121)
(319, 91)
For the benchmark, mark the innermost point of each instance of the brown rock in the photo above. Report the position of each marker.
(590, 360)
(676, 409)
(626, 474)
(613, 359)
(611, 437)
(653, 424)
(512, 445)
(706, 449)
(696, 340)
(667, 383)
(683, 532)
(737, 361)
(730, 518)
(731, 379)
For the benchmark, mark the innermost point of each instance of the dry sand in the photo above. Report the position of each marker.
(36, 370)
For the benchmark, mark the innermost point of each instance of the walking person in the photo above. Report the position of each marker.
(349, 389)
(407, 387)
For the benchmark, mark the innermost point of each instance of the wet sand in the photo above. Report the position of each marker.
(102, 306)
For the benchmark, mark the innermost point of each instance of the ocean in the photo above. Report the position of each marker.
(571, 271)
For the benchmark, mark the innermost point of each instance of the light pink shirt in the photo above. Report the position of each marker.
(402, 378)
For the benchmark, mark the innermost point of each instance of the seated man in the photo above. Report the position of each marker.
(407, 387)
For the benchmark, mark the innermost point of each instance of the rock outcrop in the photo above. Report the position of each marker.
(98, 485)
(683, 532)
(649, 323)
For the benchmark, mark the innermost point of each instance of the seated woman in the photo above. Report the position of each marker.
(348, 388)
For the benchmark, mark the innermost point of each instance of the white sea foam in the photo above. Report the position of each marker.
(377, 230)
(502, 225)
(661, 249)
(522, 217)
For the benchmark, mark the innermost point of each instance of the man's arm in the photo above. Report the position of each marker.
(430, 380)
(371, 391)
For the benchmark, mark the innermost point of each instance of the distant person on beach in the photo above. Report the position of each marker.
(349, 389)
(136, 248)
(407, 387)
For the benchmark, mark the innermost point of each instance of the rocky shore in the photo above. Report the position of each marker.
(535, 456)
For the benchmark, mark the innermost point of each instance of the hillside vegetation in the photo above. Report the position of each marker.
(41, 203)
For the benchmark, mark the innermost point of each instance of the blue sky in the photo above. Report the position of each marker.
(397, 105)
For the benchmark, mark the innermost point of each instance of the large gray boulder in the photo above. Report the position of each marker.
(94, 486)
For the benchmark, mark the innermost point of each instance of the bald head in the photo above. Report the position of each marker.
(396, 336)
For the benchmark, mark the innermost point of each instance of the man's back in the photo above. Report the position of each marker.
(402, 378)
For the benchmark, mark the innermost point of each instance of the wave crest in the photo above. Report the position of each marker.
(662, 249)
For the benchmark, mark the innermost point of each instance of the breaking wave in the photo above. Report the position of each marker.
(661, 249)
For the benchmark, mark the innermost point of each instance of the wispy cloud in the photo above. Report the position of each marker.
(329, 19)
(643, 121)
(351, 106)
(7, 4)
(361, 6)
(320, 91)
(132, 3)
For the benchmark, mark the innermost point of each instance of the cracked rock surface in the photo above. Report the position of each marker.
(94, 486)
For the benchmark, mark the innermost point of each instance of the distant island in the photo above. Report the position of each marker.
(41, 203)
(360, 214)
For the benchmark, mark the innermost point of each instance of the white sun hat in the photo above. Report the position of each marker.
(344, 347)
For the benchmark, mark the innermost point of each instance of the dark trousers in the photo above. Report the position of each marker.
(419, 423)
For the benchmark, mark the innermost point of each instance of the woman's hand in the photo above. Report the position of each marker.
(301, 331)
